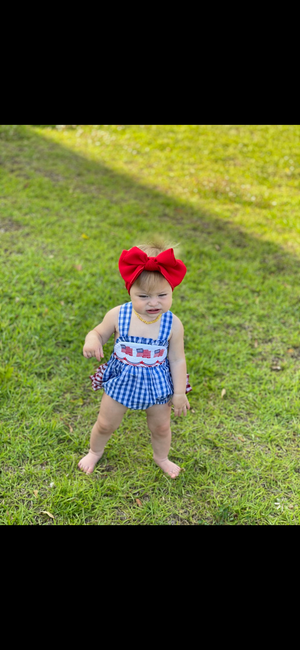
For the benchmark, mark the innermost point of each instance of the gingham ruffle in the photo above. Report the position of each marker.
(188, 386)
(98, 376)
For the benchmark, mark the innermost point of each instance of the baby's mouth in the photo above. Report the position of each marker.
(153, 311)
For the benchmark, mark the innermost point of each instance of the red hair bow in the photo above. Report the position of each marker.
(133, 262)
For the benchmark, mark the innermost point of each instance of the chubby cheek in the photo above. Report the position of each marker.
(138, 305)
(168, 303)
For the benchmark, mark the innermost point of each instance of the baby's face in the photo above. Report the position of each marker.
(150, 305)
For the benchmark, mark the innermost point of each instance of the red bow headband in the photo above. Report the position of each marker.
(133, 262)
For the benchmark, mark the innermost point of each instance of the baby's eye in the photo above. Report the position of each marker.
(161, 295)
(142, 296)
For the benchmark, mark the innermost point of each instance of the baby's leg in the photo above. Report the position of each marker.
(158, 419)
(109, 418)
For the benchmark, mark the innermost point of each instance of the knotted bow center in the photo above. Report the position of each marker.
(151, 264)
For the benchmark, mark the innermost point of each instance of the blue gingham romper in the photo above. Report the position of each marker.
(138, 372)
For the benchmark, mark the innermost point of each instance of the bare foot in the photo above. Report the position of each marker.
(168, 467)
(88, 462)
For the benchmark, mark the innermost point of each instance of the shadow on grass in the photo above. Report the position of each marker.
(119, 200)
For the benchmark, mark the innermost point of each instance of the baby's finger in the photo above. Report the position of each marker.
(100, 353)
(187, 404)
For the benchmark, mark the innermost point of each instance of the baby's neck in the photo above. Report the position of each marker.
(140, 329)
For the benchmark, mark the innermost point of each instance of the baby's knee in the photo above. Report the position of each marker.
(159, 429)
(103, 425)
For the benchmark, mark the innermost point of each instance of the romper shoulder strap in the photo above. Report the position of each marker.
(165, 325)
(124, 318)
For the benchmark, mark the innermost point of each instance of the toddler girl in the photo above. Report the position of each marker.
(147, 369)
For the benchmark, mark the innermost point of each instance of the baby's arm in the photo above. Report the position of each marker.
(94, 341)
(178, 367)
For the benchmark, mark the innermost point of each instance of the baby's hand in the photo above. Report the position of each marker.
(180, 403)
(93, 347)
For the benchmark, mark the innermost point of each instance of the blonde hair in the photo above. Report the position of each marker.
(148, 280)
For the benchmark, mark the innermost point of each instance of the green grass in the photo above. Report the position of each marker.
(70, 200)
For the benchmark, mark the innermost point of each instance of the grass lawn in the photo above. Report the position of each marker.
(71, 198)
